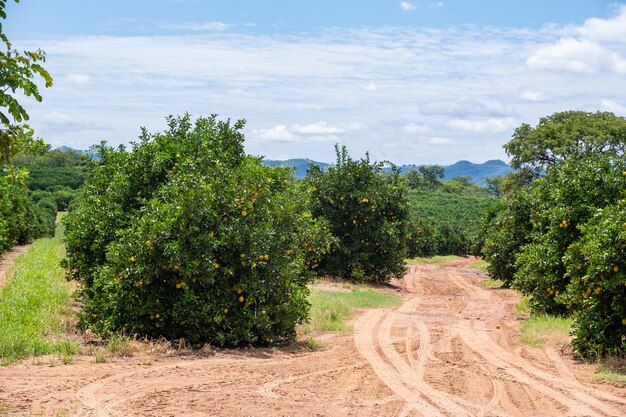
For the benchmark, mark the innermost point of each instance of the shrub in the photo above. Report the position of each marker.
(185, 236)
(367, 211)
(596, 268)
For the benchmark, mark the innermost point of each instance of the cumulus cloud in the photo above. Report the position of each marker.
(614, 107)
(577, 56)
(613, 29)
(493, 125)
(599, 47)
(278, 133)
(320, 128)
(406, 6)
(316, 132)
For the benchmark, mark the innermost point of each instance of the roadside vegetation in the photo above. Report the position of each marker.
(330, 309)
(34, 303)
(559, 235)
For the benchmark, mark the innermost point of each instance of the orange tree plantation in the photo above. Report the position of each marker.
(559, 236)
(186, 236)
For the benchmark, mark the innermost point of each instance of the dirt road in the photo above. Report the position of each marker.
(450, 350)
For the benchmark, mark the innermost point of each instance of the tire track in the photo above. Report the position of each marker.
(570, 391)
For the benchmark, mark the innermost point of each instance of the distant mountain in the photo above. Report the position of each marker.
(301, 165)
(90, 152)
(477, 172)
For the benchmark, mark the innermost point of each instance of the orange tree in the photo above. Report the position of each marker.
(185, 236)
(596, 268)
(367, 211)
(562, 202)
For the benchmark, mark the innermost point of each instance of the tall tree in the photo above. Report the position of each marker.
(564, 136)
(18, 73)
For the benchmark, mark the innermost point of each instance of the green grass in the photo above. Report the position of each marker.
(433, 260)
(329, 309)
(539, 331)
(33, 303)
(612, 370)
(496, 283)
(523, 307)
(482, 265)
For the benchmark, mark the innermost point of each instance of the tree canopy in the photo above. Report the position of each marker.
(18, 74)
(566, 135)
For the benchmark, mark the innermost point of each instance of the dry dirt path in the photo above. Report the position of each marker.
(450, 350)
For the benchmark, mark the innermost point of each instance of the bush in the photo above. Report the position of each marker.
(596, 268)
(367, 211)
(187, 237)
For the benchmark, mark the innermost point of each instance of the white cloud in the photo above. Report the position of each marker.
(467, 106)
(531, 95)
(438, 4)
(320, 128)
(371, 86)
(406, 6)
(440, 141)
(197, 26)
(577, 56)
(279, 133)
(613, 29)
(416, 128)
(614, 107)
(493, 125)
(78, 78)
(600, 47)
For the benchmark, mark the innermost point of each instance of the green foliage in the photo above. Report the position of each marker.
(367, 211)
(560, 232)
(22, 218)
(566, 136)
(565, 198)
(596, 268)
(508, 231)
(18, 72)
(185, 236)
(425, 177)
(447, 223)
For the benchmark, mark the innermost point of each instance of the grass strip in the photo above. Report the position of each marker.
(544, 330)
(329, 309)
(33, 303)
(433, 260)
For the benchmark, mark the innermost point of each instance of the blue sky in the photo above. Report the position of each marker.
(409, 81)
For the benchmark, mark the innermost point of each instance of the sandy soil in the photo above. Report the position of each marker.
(451, 349)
